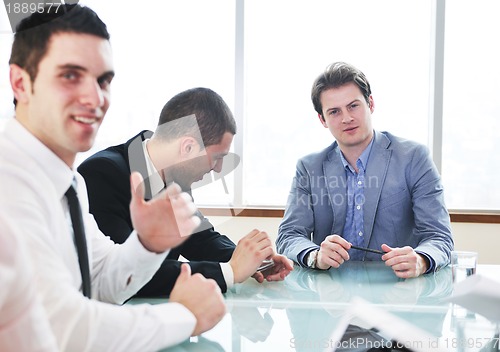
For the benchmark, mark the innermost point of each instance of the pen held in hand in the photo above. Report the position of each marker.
(367, 249)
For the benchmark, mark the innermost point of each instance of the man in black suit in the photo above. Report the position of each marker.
(194, 133)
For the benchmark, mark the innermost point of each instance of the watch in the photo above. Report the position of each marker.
(312, 257)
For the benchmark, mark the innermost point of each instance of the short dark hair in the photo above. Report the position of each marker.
(336, 75)
(33, 33)
(213, 116)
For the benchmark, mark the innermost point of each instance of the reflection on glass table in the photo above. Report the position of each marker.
(302, 312)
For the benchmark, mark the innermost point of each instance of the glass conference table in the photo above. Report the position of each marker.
(302, 312)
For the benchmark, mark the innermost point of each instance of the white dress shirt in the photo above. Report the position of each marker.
(24, 326)
(157, 184)
(33, 181)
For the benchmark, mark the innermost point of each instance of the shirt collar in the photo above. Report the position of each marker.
(155, 180)
(363, 158)
(58, 172)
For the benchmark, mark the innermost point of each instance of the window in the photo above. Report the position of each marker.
(262, 56)
(471, 161)
(289, 43)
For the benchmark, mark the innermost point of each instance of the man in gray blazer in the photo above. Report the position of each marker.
(368, 189)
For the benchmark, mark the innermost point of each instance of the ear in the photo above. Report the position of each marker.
(188, 147)
(20, 82)
(322, 120)
(371, 104)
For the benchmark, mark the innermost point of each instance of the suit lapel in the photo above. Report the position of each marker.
(336, 183)
(375, 174)
(134, 155)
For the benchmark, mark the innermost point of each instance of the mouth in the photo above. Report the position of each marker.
(350, 129)
(87, 120)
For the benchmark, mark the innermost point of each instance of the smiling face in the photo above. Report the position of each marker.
(66, 103)
(348, 117)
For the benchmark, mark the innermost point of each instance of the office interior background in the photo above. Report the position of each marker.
(433, 66)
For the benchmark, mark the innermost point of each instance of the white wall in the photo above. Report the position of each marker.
(482, 238)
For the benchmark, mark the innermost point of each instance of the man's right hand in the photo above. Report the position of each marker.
(249, 254)
(165, 221)
(201, 296)
(332, 252)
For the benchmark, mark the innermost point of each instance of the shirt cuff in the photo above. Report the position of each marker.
(432, 264)
(227, 272)
(302, 255)
(178, 321)
(141, 253)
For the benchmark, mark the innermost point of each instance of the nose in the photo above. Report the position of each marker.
(92, 95)
(218, 166)
(346, 118)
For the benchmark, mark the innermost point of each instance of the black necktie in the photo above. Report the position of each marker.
(80, 242)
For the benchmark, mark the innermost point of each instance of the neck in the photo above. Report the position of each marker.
(352, 153)
(65, 155)
(160, 154)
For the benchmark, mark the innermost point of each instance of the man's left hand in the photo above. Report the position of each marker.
(404, 261)
(281, 268)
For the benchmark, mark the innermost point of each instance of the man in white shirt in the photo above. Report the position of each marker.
(23, 323)
(60, 74)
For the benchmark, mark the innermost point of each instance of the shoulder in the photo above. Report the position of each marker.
(317, 158)
(400, 145)
(110, 158)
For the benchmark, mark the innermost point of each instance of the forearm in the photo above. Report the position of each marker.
(130, 265)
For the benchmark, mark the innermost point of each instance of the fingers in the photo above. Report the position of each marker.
(249, 254)
(201, 296)
(173, 190)
(165, 221)
(259, 277)
(257, 241)
(338, 240)
(386, 248)
(257, 236)
(281, 268)
(136, 187)
(185, 273)
(183, 208)
(403, 261)
(333, 252)
(278, 273)
(284, 261)
(252, 233)
(182, 204)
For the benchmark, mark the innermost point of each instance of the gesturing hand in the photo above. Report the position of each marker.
(165, 221)
(201, 296)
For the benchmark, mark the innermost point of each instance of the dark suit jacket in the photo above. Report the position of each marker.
(107, 175)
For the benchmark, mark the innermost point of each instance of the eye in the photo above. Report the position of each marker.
(334, 112)
(70, 75)
(105, 81)
(353, 106)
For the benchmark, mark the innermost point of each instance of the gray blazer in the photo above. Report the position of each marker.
(404, 203)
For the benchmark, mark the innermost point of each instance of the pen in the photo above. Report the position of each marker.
(367, 249)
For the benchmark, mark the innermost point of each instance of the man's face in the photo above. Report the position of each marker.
(347, 116)
(68, 99)
(202, 162)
